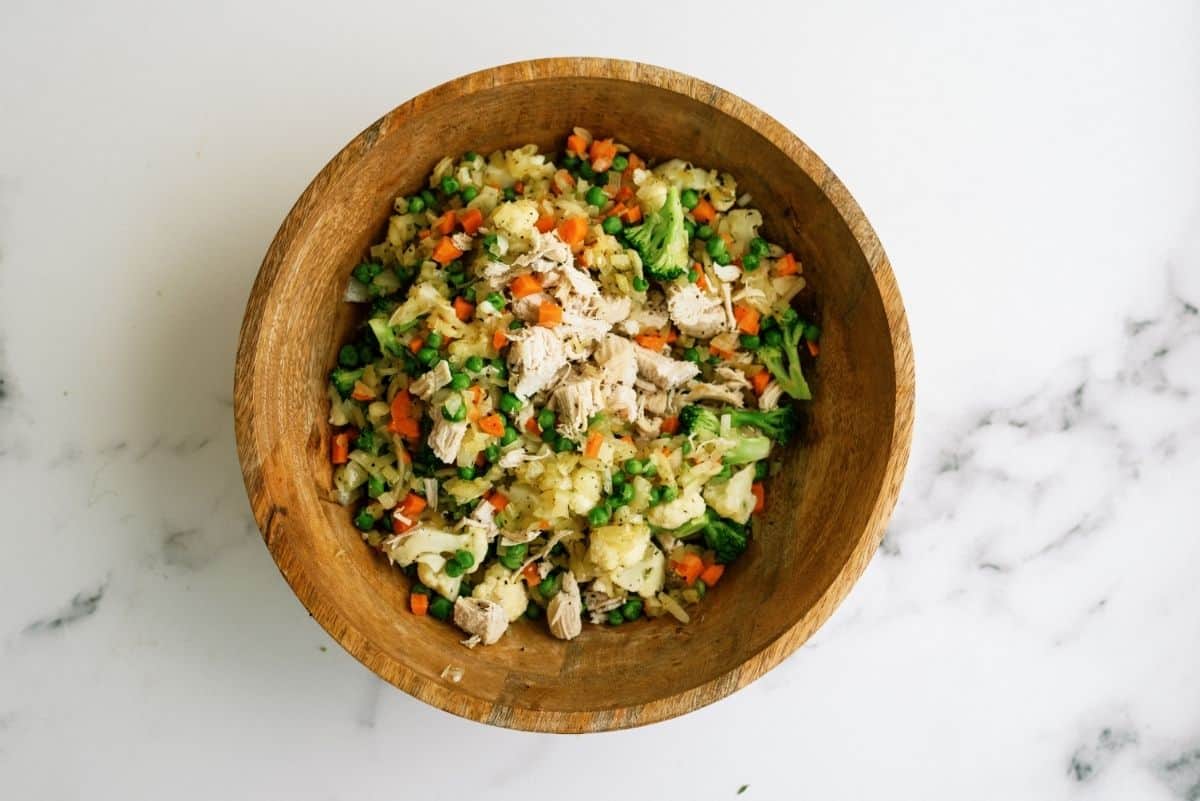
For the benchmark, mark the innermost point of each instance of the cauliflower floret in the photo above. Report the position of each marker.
(646, 576)
(424, 298)
(615, 547)
(587, 488)
(439, 582)
(429, 545)
(502, 586)
(686, 507)
(742, 226)
(518, 220)
(733, 498)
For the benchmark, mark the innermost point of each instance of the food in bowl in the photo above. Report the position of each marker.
(565, 397)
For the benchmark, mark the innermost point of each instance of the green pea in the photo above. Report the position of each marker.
(760, 471)
(510, 194)
(416, 204)
(618, 478)
(363, 521)
(612, 225)
(649, 471)
(759, 246)
(615, 618)
(632, 609)
(772, 338)
(768, 323)
(496, 300)
(723, 258)
(692, 355)
(348, 357)
(449, 185)
(420, 589)
(516, 325)
(492, 453)
(470, 155)
(640, 284)
(704, 232)
(474, 363)
(623, 493)
(693, 275)
(750, 341)
(564, 445)
(441, 608)
(669, 493)
(469, 193)
(510, 403)
(469, 294)
(456, 415)
(690, 228)
(376, 486)
(465, 558)
(459, 381)
(489, 240)
(434, 340)
(689, 198)
(509, 436)
(569, 161)
(700, 587)
(466, 472)
(811, 332)
(585, 169)
(686, 447)
(533, 611)
(714, 246)
(453, 569)
(634, 467)
(549, 436)
(596, 197)
(429, 199)
(498, 366)
(512, 556)
(549, 586)
(724, 473)
(599, 515)
(656, 496)
(362, 273)
(749, 262)
(427, 355)
(546, 419)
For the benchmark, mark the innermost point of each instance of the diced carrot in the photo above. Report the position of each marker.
(632, 215)
(470, 220)
(724, 354)
(530, 574)
(748, 318)
(623, 194)
(635, 162)
(651, 341)
(362, 392)
(704, 211)
(702, 280)
(525, 285)
(628, 440)
(712, 574)
(416, 344)
(492, 424)
(480, 460)
(670, 425)
(402, 404)
(445, 224)
(602, 153)
(532, 427)
(519, 187)
(689, 567)
(760, 380)
(497, 499)
(445, 252)
(545, 223)
(418, 603)
(424, 233)
(573, 230)
(499, 339)
(339, 449)
(576, 144)
(563, 181)
(477, 393)
(616, 211)
(760, 496)
(412, 505)
(813, 348)
(549, 314)
(463, 308)
(407, 427)
(592, 448)
(671, 336)
(786, 265)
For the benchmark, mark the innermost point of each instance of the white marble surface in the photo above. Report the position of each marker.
(1030, 629)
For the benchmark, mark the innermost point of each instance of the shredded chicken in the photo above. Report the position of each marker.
(431, 382)
(535, 359)
(577, 399)
(484, 619)
(663, 371)
(482, 518)
(565, 612)
(721, 393)
(446, 438)
(526, 309)
(769, 399)
(695, 312)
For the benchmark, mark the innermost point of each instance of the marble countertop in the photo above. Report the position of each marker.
(1029, 629)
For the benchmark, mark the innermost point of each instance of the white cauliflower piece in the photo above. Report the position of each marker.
(646, 576)
(518, 220)
(587, 487)
(615, 547)
(439, 582)
(429, 545)
(683, 509)
(733, 498)
(502, 586)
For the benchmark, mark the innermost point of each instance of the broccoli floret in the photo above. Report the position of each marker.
(748, 449)
(726, 538)
(699, 421)
(776, 423)
(388, 343)
(662, 240)
(783, 360)
(343, 380)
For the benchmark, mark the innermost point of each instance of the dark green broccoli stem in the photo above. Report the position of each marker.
(748, 449)
(783, 360)
(386, 335)
(725, 538)
(343, 380)
(662, 240)
(777, 424)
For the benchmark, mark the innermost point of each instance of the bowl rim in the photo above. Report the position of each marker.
(445, 696)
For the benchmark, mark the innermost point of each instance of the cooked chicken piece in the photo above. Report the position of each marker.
(652, 315)
(526, 308)
(727, 299)
(565, 612)
(616, 357)
(695, 312)
(622, 400)
(535, 359)
(547, 254)
(462, 241)
(577, 399)
(577, 281)
(648, 427)
(613, 310)
(446, 438)
(703, 391)
(732, 377)
(727, 272)
(769, 399)
(656, 403)
(487, 620)
(431, 382)
(483, 518)
(587, 328)
(663, 371)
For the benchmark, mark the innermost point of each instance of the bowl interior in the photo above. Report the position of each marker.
(819, 509)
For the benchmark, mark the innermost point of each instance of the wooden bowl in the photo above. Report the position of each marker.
(826, 511)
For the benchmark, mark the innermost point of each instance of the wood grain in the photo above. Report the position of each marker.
(826, 511)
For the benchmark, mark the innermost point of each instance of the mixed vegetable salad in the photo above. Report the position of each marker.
(568, 387)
